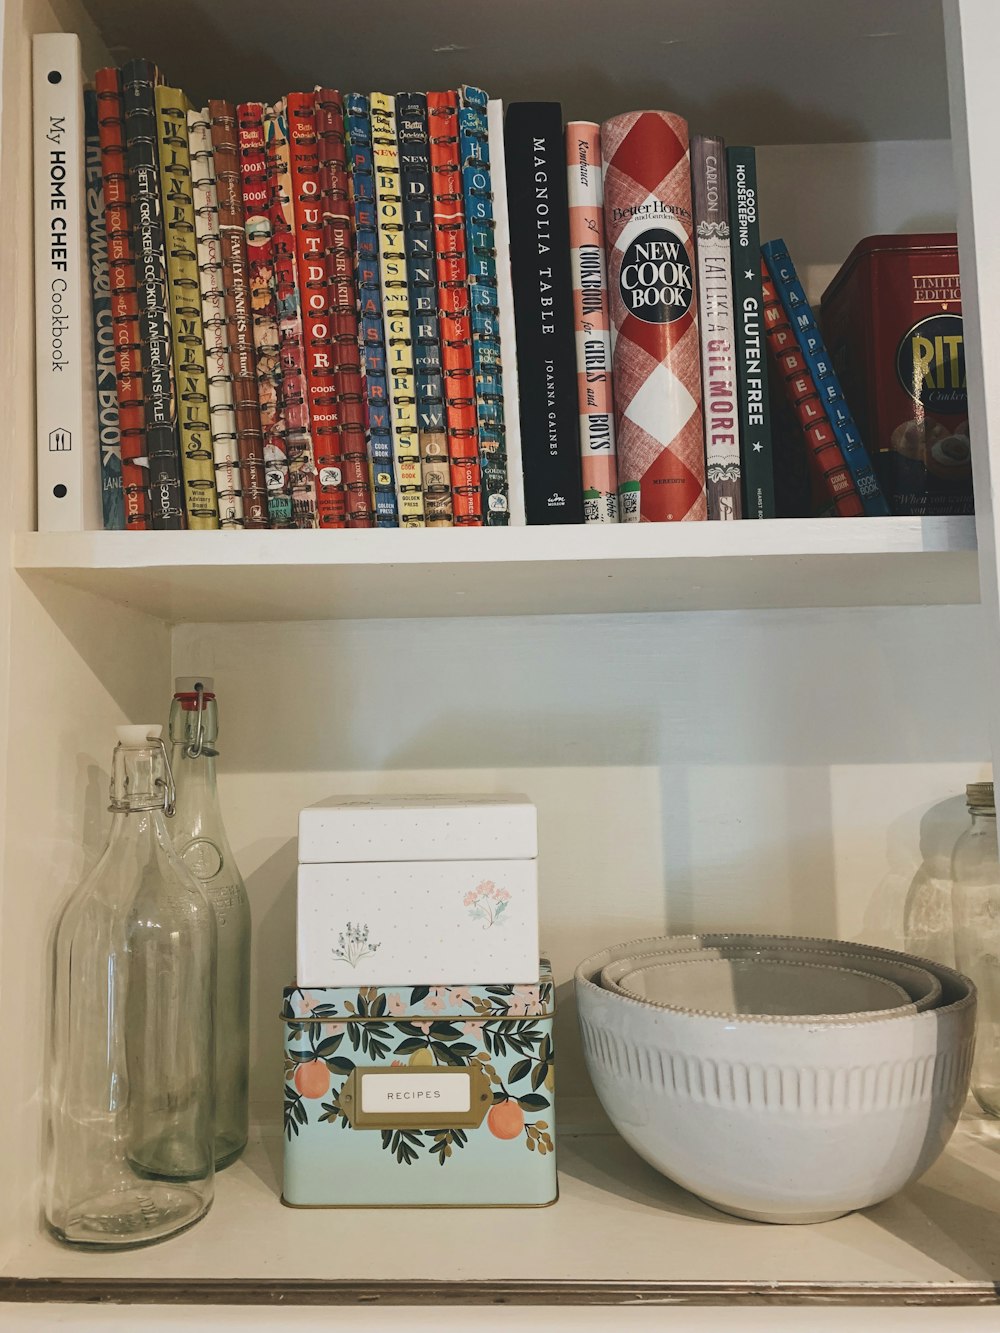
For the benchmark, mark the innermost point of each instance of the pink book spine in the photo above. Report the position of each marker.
(593, 322)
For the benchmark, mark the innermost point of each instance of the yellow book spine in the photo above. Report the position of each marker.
(187, 334)
(396, 312)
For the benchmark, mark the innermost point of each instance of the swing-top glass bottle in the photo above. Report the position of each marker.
(132, 1097)
(200, 838)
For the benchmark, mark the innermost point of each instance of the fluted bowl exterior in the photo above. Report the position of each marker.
(780, 1122)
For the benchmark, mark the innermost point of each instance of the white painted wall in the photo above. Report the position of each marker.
(789, 771)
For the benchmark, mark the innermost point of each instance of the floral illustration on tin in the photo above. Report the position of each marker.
(353, 944)
(501, 1034)
(487, 903)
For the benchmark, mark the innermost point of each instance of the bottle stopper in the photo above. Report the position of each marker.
(138, 738)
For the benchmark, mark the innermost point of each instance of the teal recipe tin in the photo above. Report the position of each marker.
(420, 1096)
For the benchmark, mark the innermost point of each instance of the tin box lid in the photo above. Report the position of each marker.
(418, 828)
(891, 242)
(391, 1004)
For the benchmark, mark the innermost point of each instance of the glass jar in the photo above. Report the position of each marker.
(200, 838)
(976, 907)
(132, 1086)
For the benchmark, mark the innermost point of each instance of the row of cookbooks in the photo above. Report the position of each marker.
(411, 309)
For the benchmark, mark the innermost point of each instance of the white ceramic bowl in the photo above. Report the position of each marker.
(750, 987)
(779, 1122)
(923, 989)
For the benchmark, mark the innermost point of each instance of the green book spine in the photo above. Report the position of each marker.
(757, 461)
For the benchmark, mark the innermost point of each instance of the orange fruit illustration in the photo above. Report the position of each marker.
(313, 1079)
(505, 1120)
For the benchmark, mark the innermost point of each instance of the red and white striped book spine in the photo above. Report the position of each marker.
(338, 244)
(593, 321)
(294, 392)
(454, 312)
(654, 314)
(264, 310)
(314, 292)
(124, 300)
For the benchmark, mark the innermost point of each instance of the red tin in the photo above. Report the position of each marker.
(892, 318)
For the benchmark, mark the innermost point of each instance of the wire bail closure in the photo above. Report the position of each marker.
(169, 806)
(194, 750)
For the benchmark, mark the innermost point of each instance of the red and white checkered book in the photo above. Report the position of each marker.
(654, 314)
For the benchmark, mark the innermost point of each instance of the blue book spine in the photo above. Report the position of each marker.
(108, 433)
(421, 273)
(480, 226)
(813, 347)
(358, 128)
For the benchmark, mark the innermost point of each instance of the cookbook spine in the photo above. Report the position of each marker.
(543, 306)
(480, 243)
(756, 447)
(264, 310)
(657, 377)
(396, 312)
(324, 411)
(246, 403)
(294, 387)
(187, 335)
(108, 434)
(505, 317)
(834, 483)
(68, 467)
(338, 244)
(418, 236)
(585, 175)
(166, 489)
(124, 302)
(215, 322)
(718, 332)
(813, 346)
(454, 314)
(372, 334)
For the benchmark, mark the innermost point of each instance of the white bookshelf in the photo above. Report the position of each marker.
(221, 576)
(786, 752)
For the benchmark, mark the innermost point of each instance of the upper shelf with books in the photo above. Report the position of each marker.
(249, 576)
(780, 72)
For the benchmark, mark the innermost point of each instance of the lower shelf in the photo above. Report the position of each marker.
(620, 1233)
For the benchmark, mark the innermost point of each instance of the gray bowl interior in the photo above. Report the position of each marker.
(772, 987)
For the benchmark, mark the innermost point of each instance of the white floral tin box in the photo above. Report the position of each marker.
(394, 891)
(422, 1095)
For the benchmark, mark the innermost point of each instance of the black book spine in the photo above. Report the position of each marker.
(418, 241)
(756, 447)
(166, 492)
(537, 198)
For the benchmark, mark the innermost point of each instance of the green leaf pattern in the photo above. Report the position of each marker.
(514, 1052)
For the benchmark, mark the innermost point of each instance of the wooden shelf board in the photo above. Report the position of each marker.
(251, 576)
(619, 1233)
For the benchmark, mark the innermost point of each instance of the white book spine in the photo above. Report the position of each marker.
(68, 454)
(717, 328)
(215, 321)
(505, 304)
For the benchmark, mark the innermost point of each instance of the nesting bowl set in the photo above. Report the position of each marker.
(779, 1078)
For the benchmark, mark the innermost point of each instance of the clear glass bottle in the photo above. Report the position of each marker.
(976, 906)
(200, 838)
(132, 1082)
